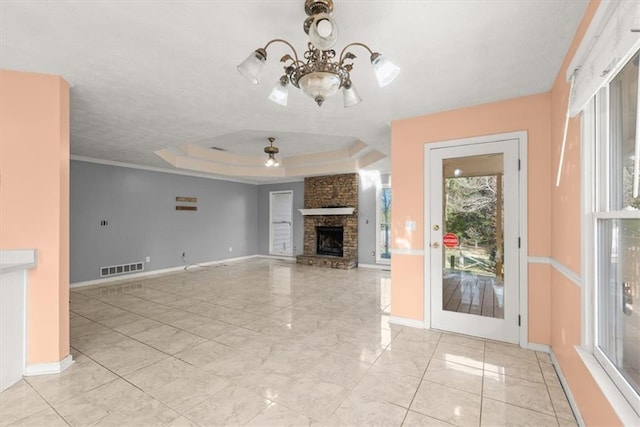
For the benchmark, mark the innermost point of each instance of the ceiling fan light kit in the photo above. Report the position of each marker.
(321, 73)
(271, 152)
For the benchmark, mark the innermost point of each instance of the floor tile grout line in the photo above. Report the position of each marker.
(170, 355)
(91, 389)
(35, 390)
(88, 295)
(158, 321)
(162, 351)
(547, 385)
(122, 377)
(359, 381)
(529, 408)
(144, 343)
(124, 308)
(415, 393)
(168, 305)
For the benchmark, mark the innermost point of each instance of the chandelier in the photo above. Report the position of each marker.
(271, 151)
(322, 73)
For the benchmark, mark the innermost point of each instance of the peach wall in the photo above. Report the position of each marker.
(539, 297)
(565, 334)
(410, 296)
(566, 308)
(565, 199)
(408, 137)
(34, 200)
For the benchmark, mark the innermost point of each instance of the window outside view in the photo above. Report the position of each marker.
(385, 223)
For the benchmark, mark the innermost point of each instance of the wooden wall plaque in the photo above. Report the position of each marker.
(186, 208)
(187, 199)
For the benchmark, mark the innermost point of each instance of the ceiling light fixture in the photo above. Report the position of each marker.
(321, 74)
(271, 151)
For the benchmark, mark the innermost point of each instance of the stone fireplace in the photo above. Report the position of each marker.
(330, 221)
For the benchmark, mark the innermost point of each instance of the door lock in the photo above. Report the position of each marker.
(435, 245)
(436, 227)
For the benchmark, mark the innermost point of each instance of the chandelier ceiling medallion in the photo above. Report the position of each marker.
(322, 73)
(271, 151)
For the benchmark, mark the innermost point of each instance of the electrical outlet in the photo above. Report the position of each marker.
(230, 249)
(148, 259)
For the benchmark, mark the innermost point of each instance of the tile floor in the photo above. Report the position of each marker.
(267, 342)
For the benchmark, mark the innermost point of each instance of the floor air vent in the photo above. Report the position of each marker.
(114, 270)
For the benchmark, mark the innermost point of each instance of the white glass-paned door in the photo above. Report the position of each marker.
(474, 232)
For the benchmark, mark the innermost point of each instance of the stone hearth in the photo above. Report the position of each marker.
(335, 191)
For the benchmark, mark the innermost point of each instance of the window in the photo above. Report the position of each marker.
(615, 229)
(383, 216)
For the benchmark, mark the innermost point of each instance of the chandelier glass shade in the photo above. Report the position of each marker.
(321, 73)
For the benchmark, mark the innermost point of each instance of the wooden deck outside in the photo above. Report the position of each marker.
(465, 292)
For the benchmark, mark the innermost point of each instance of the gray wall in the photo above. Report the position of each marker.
(263, 215)
(368, 182)
(140, 208)
(140, 205)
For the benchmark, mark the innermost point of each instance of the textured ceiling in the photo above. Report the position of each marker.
(152, 75)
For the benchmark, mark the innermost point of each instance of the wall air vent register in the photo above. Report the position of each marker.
(115, 270)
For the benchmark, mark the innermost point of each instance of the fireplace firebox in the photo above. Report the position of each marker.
(330, 241)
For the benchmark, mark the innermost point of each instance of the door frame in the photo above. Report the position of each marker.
(521, 138)
(271, 195)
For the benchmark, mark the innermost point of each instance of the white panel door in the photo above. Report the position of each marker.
(280, 219)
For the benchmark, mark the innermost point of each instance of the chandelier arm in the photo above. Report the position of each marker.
(354, 44)
(270, 42)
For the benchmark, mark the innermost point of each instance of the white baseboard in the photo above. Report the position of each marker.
(567, 390)
(223, 261)
(48, 368)
(543, 348)
(375, 266)
(128, 277)
(279, 257)
(404, 321)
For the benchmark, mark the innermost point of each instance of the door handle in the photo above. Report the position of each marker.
(435, 245)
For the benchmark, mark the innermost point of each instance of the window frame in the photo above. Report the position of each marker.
(379, 189)
(595, 207)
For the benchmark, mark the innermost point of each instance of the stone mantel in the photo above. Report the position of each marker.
(327, 211)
